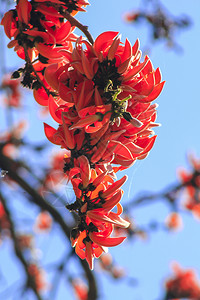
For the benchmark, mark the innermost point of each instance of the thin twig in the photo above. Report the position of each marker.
(168, 193)
(74, 22)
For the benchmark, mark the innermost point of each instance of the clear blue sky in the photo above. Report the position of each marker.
(178, 112)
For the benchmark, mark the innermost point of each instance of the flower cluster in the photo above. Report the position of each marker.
(36, 27)
(183, 284)
(191, 183)
(100, 93)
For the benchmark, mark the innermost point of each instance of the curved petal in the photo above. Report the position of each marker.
(106, 242)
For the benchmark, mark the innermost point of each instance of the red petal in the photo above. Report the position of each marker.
(130, 74)
(135, 47)
(106, 242)
(114, 187)
(51, 76)
(41, 96)
(52, 109)
(155, 93)
(50, 133)
(103, 39)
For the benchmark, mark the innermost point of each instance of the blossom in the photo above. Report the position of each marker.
(70, 6)
(110, 92)
(95, 200)
(101, 96)
(31, 26)
(183, 284)
(110, 67)
(191, 184)
(43, 222)
(174, 221)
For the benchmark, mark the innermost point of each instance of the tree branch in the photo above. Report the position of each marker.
(74, 22)
(8, 164)
(30, 280)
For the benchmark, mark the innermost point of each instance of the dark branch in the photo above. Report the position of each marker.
(30, 280)
(8, 164)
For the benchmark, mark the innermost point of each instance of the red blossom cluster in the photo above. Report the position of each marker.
(183, 284)
(191, 183)
(100, 94)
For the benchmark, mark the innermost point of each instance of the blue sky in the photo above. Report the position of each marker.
(178, 112)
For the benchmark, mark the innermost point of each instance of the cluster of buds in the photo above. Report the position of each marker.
(100, 94)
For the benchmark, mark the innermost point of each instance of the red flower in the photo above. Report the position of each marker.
(183, 284)
(40, 34)
(43, 222)
(110, 92)
(95, 200)
(174, 221)
(191, 184)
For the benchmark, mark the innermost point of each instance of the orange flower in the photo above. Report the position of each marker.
(34, 25)
(94, 203)
(191, 183)
(114, 74)
(43, 222)
(72, 7)
(174, 221)
(110, 92)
